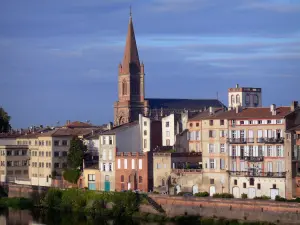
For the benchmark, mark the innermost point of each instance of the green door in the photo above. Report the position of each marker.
(107, 186)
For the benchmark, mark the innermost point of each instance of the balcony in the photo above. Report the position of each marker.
(237, 140)
(254, 158)
(257, 174)
(270, 140)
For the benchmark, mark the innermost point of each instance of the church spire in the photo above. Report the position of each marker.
(131, 62)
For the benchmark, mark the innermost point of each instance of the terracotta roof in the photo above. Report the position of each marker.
(188, 104)
(9, 135)
(131, 62)
(254, 113)
(65, 131)
(78, 124)
(116, 129)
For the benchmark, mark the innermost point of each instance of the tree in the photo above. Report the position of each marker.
(76, 153)
(4, 121)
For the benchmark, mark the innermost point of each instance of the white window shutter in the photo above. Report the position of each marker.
(246, 150)
(263, 150)
(230, 134)
(112, 166)
(208, 148)
(225, 147)
(265, 133)
(217, 148)
(274, 151)
(207, 162)
(101, 166)
(238, 134)
(238, 150)
(215, 164)
(230, 150)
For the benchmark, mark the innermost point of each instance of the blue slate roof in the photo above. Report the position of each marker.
(158, 103)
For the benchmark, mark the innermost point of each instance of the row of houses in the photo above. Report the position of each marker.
(255, 151)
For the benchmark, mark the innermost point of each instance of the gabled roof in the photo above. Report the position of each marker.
(255, 113)
(206, 114)
(122, 127)
(78, 124)
(188, 104)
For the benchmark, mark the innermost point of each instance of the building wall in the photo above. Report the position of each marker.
(128, 140)
(132, 171)
(107, 161)
(156, 134)
(95, 173)
(168, 130)
(162, 168)
(145, 133)
(93, 146)
(8, 141)
(244, 97)
(266, 184)
(182, 142)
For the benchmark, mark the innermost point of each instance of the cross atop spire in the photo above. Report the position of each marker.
(131, 62)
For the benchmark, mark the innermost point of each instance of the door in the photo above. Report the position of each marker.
(273, 193)
(212, 190)
(178, 189)
(195, 189)
(236, 192)
(107, 186)
(92, 186)
(251, 192)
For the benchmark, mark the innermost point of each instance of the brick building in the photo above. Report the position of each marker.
(134, 171)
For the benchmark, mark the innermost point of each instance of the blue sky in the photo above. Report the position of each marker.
(59, 59)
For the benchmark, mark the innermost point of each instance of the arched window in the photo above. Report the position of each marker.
(255, 99)
(129, 179)
(238, 99)
(124, 88)
(232, 99)
(122, 178)
(247, 99)
(140, 179)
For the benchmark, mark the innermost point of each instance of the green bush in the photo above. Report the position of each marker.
(280, 199)
(223, 195)
(264, 197)
(71, 175)
(16, 203)
(244, 196)
(155, 192)
(52, 198)
(202, 194)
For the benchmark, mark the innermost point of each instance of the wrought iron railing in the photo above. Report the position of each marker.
(257, 174)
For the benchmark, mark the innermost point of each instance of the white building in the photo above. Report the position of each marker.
(244, 97)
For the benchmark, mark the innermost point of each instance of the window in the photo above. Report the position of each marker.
(211, 148)
(110, 167)
(237, 98)
(119, 163)
(212, 181)
(233, 150)
(279, 121)
(232, 100)
(244, 185)
(235, 182)
(56, 165)
(65, 154)
(250, 122)
(167, 124)
(168, 142)
(110, 140)
(104, 155)
(269, 121)
(145, 132)
(124, 88)
(260, 151)
(255, 100)
(247, 100)
(211, 122)
(125, 163)
(91, 177)
(56, 143)
(140, 164)
(212, 133)
(140, 179)
(64, 142)
(221, 122)
(251, 182)
(122, 178)
(222, 164)
(278, 151)
(269, 150)
(258, 186)
(191, 124)
(104, 140)
(122, 186)
(56, 154)
(109, 155)
(145, 123)
(211, 163)
(259, 121)
(250, 150)
(274, 186)
(197, 124)
(145, 143)
(242, 122)
(167, 133)
(197, 135)
(107, 178)
(222, 148)
(133, 164)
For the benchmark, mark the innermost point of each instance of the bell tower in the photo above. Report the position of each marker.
(131, 89)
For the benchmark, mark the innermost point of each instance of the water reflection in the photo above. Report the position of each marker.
(49, 217)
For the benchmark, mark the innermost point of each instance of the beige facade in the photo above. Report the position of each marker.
(14, 161)
(209, 136)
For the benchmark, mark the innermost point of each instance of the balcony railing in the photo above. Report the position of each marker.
(270, 140)
(254, 158)
(257, 174)
(186, 170)
(237, 140)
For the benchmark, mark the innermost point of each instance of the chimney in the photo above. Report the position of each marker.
(273, 109)
(237, 86)
(211, 110)
(294, 105)
(109, 125)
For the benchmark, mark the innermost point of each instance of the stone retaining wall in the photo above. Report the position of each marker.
(250, 210)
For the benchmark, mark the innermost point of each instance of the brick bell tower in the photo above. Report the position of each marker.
(131, 88)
